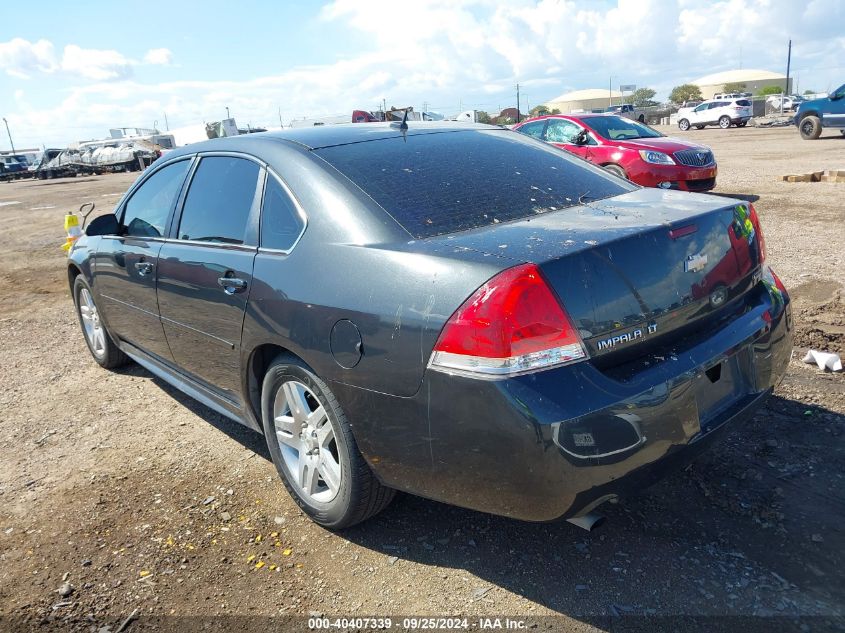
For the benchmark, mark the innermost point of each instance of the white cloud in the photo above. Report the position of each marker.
(159, 57)
(95, 64)
(20, 57)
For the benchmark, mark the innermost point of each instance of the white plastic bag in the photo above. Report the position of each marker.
(824, 360)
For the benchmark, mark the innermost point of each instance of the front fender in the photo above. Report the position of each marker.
(80, 261)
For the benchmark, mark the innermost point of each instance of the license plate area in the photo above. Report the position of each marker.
(720, 386)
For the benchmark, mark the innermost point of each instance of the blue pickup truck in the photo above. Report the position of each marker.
(817, 114)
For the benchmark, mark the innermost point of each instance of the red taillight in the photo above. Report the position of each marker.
(511, 324)
(752, 213)
(778, 283)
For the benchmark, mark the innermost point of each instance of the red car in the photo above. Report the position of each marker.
(628, 149)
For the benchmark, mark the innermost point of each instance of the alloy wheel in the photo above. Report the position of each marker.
(94, 332)
(307, 442)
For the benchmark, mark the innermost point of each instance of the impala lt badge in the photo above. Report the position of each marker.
(627, 337)
(694, 263)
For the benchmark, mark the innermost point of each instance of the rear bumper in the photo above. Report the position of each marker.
(556, 443)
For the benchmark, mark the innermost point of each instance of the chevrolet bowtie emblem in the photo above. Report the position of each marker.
(694, 263)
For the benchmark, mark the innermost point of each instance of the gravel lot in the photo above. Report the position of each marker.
(140, 498)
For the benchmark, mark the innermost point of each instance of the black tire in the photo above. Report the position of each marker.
(616, 170)
(683, 125)
(110, 355)
(724, 122)
(699, 127)
(810, 127)
(742, 124)
(360, 494)
(641, 118)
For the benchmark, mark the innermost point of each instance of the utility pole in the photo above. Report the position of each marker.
(517, 103)
(280, 117)
(788, 62)
(10, 135)
(227, 112)
(610, 92)
(166, 124)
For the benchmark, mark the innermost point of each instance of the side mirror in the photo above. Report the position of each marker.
(103, 225)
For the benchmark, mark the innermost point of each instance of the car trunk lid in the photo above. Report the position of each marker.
(636, 268)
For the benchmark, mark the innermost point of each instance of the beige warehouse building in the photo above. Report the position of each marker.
(754, 80)
(591, 99)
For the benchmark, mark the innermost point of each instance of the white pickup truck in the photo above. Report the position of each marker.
(628, 111)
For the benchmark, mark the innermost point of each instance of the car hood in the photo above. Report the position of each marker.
(813, 103)
(662, 144)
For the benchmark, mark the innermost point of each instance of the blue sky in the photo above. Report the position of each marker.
(70, 71)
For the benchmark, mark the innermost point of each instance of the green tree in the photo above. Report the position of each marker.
(482, 116)
(809, 92)
(539, 110)
(642, 97)
(505, 120)
(770, 90)
(555, 111)
(685, 92)
(734, 86)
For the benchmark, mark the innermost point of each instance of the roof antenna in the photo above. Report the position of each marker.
(403, 127)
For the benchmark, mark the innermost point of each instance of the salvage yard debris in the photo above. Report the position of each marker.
(824, 360)
(829, 175)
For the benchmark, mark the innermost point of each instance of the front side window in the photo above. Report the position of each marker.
(219, 200)
(702, 107)
(281, 223)
(146, 213)
(562, 131)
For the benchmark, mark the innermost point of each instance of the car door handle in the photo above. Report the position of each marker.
(144, 268)
(231, 285)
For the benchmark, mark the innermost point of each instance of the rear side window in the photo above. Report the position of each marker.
(535, 129)
(743, 102)
(281, 223)
(146, 213)
(436, 183)
(219, 200)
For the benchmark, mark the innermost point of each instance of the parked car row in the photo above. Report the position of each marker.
(453, 310)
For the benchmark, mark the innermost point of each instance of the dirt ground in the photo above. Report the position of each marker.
(142, 499)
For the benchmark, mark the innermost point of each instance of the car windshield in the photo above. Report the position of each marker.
(616, 128)
(446, 182)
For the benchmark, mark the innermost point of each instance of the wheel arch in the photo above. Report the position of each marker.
(73, 271)
(260, 359)
(804, 115)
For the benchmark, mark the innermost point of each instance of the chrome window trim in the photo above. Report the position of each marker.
(223, 245)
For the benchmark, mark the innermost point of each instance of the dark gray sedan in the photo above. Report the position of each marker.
(456, 311)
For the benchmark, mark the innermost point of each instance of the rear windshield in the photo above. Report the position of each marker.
(453, 181)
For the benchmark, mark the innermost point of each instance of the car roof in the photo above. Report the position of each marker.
(321, 136)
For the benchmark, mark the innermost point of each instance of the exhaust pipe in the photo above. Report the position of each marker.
(589, 521)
